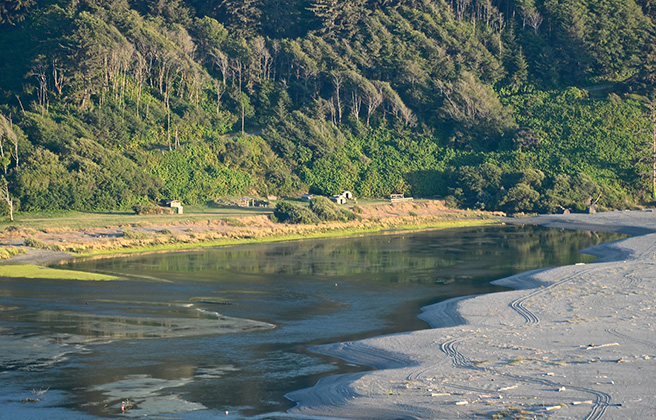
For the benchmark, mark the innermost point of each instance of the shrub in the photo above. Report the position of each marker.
(133, 234)
(328, 211)
(10, 252)
(451, 202)
(35, 243)
(520, 198)
(325, 209)
(287, 212)
(152, 209)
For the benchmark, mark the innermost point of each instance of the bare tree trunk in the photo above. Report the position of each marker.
(220, 90)
(20, 103)
(57, 77)
(356, 102)
(16, 152)
(2, 149)
(333, 111)
(502, 24)
(374, 100)
(147, 109)
(243, 112)
(168, 119)
(168, 128)
(39, 71)
(221, 61)
(238, 68)
(337, 83)
(4, 190)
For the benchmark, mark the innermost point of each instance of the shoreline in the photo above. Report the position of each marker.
(567, 342)
(24, 243)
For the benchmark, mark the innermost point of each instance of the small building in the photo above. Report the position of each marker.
(307, 197)
(173, 203)
(245, 202)
(395, 198)
(339, 199)
(347, 194)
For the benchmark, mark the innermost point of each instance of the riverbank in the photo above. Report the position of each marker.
(43, 241)
(570, 342)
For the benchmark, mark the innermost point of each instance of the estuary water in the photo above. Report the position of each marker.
(225, 332)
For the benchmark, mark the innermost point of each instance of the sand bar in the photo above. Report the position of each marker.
(574, 342)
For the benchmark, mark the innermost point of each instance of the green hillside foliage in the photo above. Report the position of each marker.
(513, 105)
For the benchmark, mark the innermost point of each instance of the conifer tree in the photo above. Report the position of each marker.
(243, 15)
(326, 12)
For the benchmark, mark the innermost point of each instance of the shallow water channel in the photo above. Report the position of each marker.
(224, 332)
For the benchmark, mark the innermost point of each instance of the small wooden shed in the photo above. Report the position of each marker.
(339, 199)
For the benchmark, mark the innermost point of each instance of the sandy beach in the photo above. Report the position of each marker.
(574, 342)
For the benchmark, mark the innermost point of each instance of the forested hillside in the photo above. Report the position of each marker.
(514, 105)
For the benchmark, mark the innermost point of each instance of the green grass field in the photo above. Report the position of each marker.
(28, 271)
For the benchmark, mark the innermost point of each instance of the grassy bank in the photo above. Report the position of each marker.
(115, 234)
(313, 234)
(28, 271)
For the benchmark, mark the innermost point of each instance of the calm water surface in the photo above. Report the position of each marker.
(195, 334)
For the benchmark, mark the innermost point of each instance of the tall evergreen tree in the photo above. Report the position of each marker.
(243, 16)
(326, 13)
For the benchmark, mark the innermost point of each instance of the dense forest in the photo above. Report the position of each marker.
(513, 105)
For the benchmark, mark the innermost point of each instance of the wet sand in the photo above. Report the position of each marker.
(574, 342)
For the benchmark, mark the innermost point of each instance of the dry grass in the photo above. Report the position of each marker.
(131, 233)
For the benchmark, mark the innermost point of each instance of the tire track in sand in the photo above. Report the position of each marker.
(613, 331)
(459, 360)
(518, 305)
(601, 403)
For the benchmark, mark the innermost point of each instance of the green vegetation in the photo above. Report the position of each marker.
(8, 252)
(513, 105)
(26, 271)
(321, 209)
(328, 211)
(287, 212)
